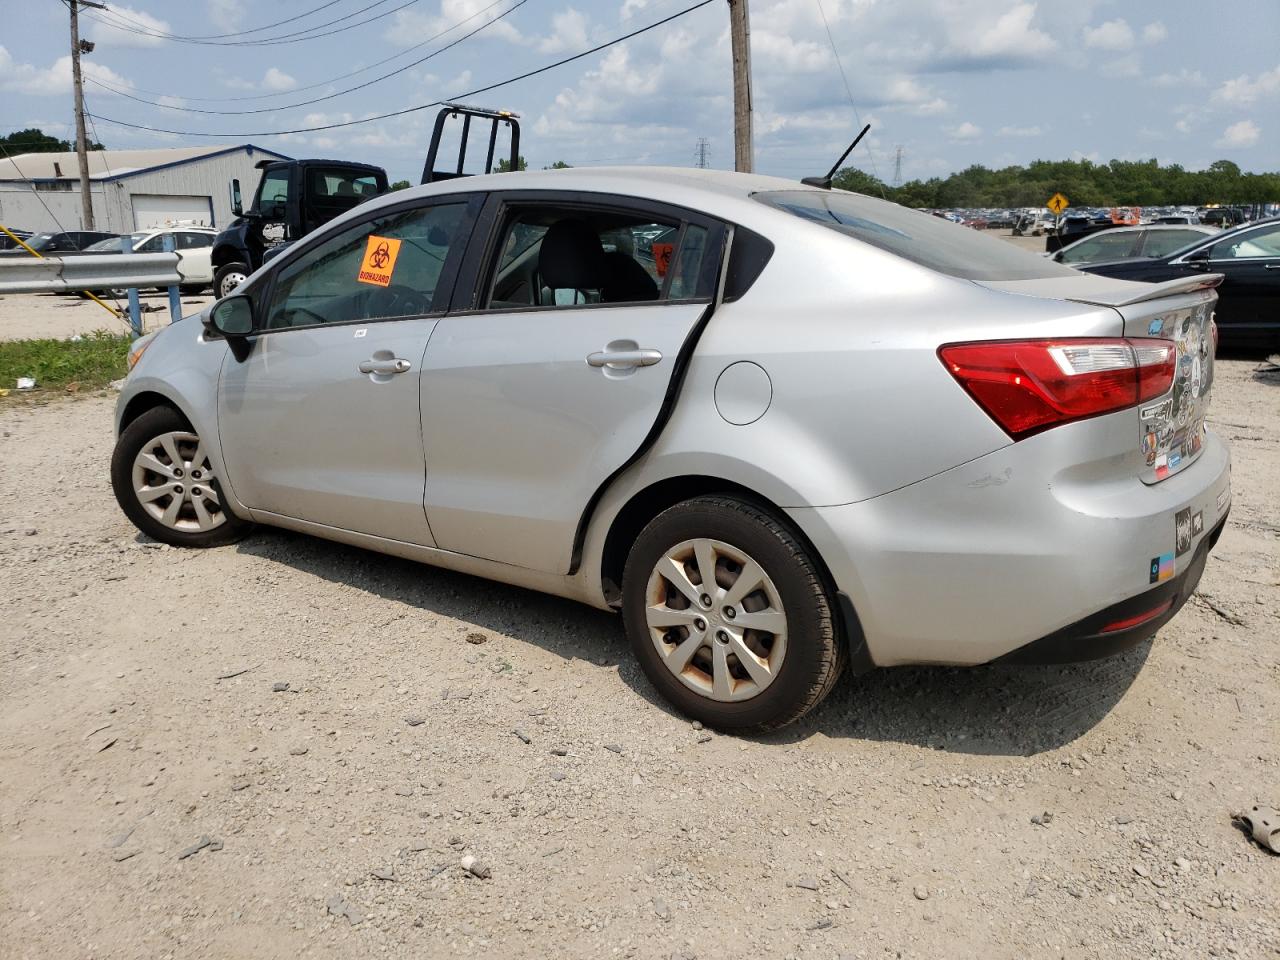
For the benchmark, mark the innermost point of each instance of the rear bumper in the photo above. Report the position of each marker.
(1009, 550)
(1099, 635)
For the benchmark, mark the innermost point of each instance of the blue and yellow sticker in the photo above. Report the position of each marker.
(1162, 568)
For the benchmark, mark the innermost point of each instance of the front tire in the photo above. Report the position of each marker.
(755, 650)
(166, 485)
(228, 277)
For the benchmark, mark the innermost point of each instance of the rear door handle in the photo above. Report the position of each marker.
(624, 359)
(385, 367)
(1271, 266)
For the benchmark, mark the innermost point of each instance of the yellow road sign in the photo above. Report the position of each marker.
(1057, 203)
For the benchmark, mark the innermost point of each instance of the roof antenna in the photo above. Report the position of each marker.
(825, 182)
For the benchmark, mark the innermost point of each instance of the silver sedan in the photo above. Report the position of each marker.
(783, 430)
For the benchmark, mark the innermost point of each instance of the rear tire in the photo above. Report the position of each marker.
(694, 642)
(228, 277)
(164, 482)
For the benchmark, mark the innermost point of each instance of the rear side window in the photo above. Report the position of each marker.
(929, 241)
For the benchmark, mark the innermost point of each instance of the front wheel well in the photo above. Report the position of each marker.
(144, 402)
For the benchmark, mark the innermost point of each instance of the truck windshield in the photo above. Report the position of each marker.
(927, 240)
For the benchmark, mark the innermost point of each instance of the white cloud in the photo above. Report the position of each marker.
(1121, 69)
(1019, 131)
(1242, 134)
(226, 15)
(1244, 90)
(1154, 33)
(409, 27)
(1110, 35)
(1183, 78)
(53, 80)
(568, 33)
(275, 79)
(965, 131)
(931, 107)
(112, 29)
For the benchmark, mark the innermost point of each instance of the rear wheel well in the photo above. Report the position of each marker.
(144, 402)
(652, 500)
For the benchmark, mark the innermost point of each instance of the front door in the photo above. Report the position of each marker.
(534, 398)
(1250, 263)
(321, 422)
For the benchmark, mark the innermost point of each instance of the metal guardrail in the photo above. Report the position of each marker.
(107, 271)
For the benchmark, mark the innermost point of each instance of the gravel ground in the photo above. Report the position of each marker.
(39, 316)
(1002, 812)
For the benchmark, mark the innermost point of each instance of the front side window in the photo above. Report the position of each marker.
(193, 241)
(1161, 243)
(154, 245)
(1256, 243)
(564, 256)
(275, 190)
(382, 269)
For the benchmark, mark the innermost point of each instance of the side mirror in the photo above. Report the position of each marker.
(236, 206)
(232, 317)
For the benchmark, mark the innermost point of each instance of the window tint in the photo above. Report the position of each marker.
(1161, 243)
(377, 270)
(915, 236)
(553, 256)
(193, 241)
(1255, 243)
(154, 245)
(275, 189)
(1108, 245)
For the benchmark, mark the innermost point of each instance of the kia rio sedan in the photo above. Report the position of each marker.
(782, 430)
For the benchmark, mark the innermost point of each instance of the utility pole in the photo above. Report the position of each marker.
(702, 153)
(740, 41)
(79, 46)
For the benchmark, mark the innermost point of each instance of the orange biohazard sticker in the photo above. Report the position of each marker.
(379, 261)
(662, 256)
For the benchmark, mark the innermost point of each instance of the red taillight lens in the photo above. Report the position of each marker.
(1031, 385)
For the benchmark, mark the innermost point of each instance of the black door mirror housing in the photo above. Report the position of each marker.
(237, 207)
(1199, 256)
(232, 318)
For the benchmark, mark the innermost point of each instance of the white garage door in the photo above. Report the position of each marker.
(154, 210)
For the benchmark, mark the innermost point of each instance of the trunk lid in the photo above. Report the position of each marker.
(1170, 429)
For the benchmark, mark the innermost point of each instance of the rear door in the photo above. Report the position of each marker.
(557, 366)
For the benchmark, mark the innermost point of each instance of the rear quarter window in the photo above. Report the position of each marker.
(927, 240)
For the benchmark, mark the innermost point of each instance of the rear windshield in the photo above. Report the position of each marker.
(919, 237)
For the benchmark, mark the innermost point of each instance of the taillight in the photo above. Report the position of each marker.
(1028, 386)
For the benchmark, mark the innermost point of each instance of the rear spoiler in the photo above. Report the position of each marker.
(1154, 291)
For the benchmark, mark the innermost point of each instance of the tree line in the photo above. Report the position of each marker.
(1084, 183)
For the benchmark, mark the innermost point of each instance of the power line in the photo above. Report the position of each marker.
(295, 37)
(421, 106)
(320, 83)
(330, 96)
(847, 89)
(237, 33)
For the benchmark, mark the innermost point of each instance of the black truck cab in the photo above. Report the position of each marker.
(293, 198)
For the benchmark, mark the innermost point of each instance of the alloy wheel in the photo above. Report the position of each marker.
(716, 619)
(173, 481)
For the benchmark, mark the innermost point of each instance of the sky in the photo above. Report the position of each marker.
(944, 83)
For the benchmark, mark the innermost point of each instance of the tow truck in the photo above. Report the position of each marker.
(294, 197)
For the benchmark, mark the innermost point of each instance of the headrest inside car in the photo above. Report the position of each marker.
(571, 257)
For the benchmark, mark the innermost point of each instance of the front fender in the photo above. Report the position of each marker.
(182, 368)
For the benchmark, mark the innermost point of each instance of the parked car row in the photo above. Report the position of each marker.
(193, 244)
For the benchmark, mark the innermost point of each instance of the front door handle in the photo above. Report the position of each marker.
(624, 359)
(385, 367)
(1271, 266)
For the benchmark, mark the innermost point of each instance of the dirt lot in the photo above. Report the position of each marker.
(29, 316)
(1000, 812)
